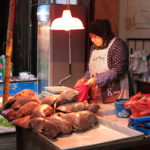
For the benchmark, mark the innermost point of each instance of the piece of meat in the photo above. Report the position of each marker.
(25, 92)
(8, 104)
(37, 124)
(78, 122)
(22, 122)
(58, 114)
(25, 99)
(50, 100)
(73, 107)
(44, 126)
(65, 127)
(43, 110)
(9, 114)
(67, 96)
(26, 109)
(92, 119)
(51, 130)
(93, 107)
(18, 96)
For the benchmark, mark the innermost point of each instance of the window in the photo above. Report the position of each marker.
(74, 2)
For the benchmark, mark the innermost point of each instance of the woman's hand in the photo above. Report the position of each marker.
(80, 81)
(91, 82)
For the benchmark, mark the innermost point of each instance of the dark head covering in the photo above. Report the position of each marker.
(102, 28)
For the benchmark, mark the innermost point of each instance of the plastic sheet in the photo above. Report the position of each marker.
(139, 105)
(83, 90)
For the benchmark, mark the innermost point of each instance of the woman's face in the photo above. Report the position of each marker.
(97, 40)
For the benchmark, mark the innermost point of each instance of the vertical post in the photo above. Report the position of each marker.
(8, 54)
(70, 62)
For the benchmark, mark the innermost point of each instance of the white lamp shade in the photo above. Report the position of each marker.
(66, 22)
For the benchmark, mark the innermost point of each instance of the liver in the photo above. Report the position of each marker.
(125, 138)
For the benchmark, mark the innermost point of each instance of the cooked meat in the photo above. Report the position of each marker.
(65, 127)
(26, 109)
(43, 111)
(37, 124)
(67, 96)
(92, 119)
(78, 122)
(50, 100)
(25, 99)
(9, 103)
(93, 107)
(25, 92)
(45, 127)
(50, 129)
(9, 114)
(22, 122)
(73, 107)
(58, 114)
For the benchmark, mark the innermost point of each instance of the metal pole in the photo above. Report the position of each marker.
(70, 61)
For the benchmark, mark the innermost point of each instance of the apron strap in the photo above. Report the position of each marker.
(112, 41)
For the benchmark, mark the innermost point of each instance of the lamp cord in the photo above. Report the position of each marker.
(68, 4)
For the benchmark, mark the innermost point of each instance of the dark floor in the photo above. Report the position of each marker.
(8, 142)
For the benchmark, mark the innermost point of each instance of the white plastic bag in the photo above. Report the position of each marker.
(139, 63)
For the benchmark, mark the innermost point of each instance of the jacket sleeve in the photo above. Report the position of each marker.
(118, 56)
(86, 75)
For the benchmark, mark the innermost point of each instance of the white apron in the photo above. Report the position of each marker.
(115, 90)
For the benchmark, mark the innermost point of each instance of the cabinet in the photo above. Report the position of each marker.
(17, 86)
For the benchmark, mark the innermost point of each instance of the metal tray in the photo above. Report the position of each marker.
(104, 133)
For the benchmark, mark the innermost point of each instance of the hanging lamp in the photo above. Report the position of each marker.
(67, 22)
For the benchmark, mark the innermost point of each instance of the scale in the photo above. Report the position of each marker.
(54, 90)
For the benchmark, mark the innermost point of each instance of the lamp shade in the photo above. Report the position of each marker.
(66, 22)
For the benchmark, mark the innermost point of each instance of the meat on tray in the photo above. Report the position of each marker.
(27, 111)
(23, 100)
(9, 114)
(66, 123)
(67, 96)
(65, 127)
(92, 119)
(78, 106)
(22, 122)
(43, 110)
(50, 100)
(81, 120)
(73, 107)
(44, 126)
(20, 99)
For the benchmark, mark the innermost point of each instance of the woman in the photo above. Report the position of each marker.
(107, 72)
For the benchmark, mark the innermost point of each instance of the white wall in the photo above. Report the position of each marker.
(131, 13)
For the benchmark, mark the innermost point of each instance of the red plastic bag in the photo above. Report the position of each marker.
(139, 105)
(83, 92)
